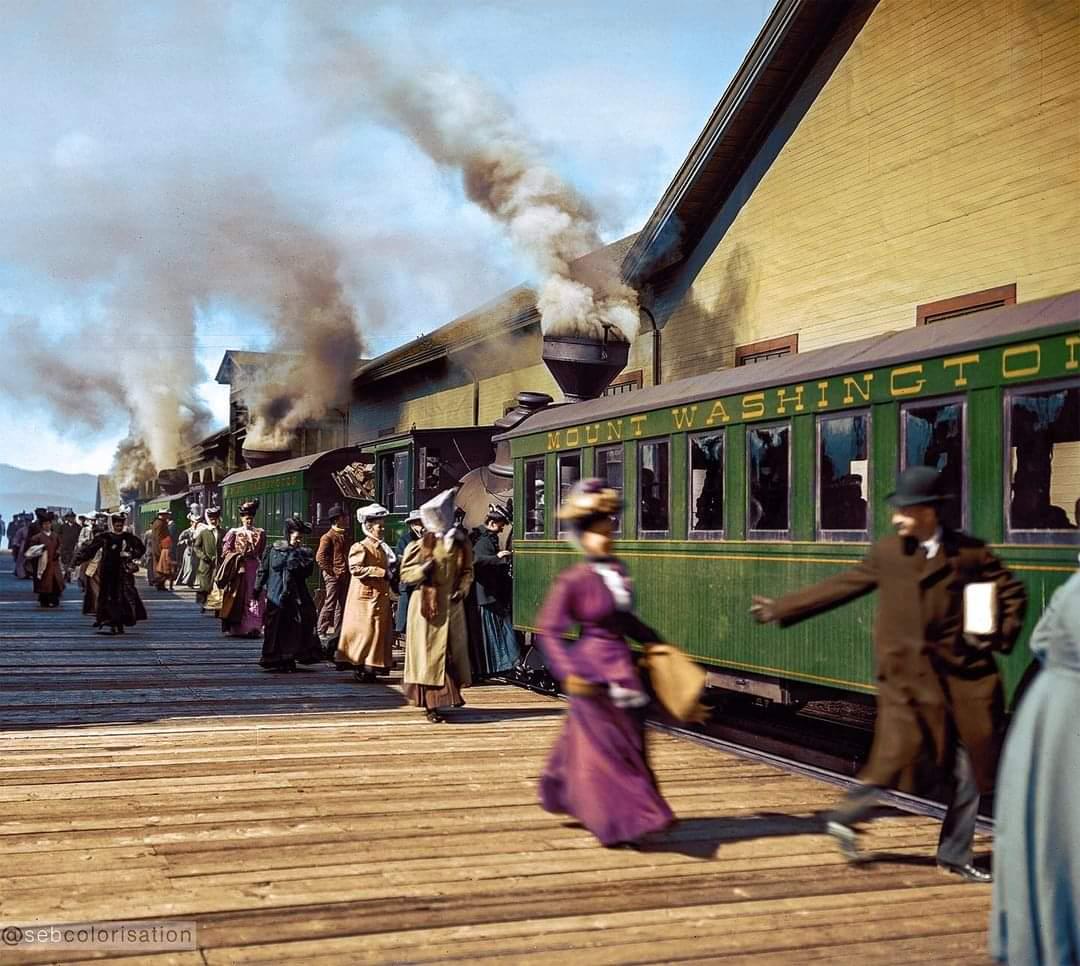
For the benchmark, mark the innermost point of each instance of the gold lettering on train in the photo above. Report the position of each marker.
(636, 422)
(782, 400)
(684, 416)
(614, 430)
(555, 439)
(718, 412)
(1073, 342)
(912, 389)
(753, 405)
(851, 386)
(823, 402)
(960, 362)
(592, 434)
(1031, 351)
(573, 436)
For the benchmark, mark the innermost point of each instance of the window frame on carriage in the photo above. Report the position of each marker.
(1022, 535)
(691, 532)
(763, 534)
(526, 504)
(824, 534)
(617, 518)
(965, 430)
(639, 455)
(564, 457)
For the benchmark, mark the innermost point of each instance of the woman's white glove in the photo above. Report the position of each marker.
(626, 698)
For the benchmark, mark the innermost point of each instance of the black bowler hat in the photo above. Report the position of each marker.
(917, 486)
(337, 510)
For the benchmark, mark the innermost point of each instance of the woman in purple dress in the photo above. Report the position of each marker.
(597, 772)
(249, 541)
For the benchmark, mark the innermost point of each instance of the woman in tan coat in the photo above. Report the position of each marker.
(367, 626)
(439, 566)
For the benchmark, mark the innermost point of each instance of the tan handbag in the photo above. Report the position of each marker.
(677, 681)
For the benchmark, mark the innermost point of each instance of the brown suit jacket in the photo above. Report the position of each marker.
(333, 553)
(933, 687)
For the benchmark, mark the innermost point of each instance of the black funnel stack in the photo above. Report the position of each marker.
(582, 367)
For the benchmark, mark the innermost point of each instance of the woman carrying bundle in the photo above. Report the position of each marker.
(289, 629)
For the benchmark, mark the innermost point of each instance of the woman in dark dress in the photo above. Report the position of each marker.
(289, 635)
(47, 569)
(597, 772)
(494, 595)
(118, 603)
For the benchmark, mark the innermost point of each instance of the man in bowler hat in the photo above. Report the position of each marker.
(940, 698)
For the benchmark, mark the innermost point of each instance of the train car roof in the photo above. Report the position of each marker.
(295, 465)
(163, 500)
(940, 338)
(419, 431)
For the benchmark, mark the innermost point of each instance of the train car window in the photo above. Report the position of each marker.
(654, 491)
(1042, 447)
(429, 468)
(569, 470)
(768, 508)
(706, 506)
(534, 498)
(933, 435)
(843, 482)
(401, 482)
(609, 468)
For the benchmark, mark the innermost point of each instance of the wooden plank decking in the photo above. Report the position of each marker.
(307, 818)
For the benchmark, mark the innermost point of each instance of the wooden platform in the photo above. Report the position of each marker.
(309, 818)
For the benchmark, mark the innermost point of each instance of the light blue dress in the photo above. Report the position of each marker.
(1036, 914)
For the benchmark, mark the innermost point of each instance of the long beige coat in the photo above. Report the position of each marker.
(367, 628)
(427, 641)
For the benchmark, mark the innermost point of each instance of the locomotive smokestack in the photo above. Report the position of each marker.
(584, 367)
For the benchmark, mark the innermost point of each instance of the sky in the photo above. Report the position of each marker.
(154, 152)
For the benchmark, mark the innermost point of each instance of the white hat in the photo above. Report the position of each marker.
(373, 511)
(437, 514)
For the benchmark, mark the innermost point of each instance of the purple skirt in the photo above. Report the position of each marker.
(597, 773)
(249, 608)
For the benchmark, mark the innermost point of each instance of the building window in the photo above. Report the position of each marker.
(843, 476)
(706, 485)
(627, 382)
(609, 468)
(769, 349)
(990, 298)
(534, 497)
(569, 472)
(768, 510)
(1042, 440)
(654, 512)
(933, 435)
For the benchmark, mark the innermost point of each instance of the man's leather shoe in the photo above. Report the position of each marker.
(847, 838)
(968, 872)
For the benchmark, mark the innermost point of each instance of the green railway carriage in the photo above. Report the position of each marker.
(761, 479)
(412, 467)
(307, 486)
(176, 503)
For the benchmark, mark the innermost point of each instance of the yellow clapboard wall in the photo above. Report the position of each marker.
(941, 158)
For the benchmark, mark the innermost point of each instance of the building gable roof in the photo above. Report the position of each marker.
(780, 59)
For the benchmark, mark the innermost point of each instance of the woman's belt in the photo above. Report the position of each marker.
(580, 688)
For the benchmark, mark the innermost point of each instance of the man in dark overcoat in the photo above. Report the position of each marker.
(940, 697)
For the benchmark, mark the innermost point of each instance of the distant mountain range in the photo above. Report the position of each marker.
(25, 489)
